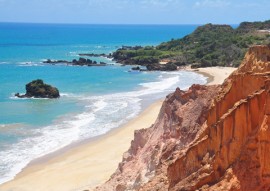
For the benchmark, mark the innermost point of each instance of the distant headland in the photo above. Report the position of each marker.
(208, 45)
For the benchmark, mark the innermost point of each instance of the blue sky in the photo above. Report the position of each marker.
(134, 11)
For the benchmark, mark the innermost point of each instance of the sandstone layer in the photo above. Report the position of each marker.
(206, 138)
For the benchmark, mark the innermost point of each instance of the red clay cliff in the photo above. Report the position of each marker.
(206, 138)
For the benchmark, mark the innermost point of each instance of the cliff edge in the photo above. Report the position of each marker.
(206, 138)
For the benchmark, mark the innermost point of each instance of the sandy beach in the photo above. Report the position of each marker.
(216, 75)
(89, 164)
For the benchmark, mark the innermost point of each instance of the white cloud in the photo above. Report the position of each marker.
(212, 3)
(164, 5)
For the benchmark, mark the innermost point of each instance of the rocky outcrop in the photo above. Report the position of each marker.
(38, 89)
(161, 67)
(80, 62)
(83, 62)
(136, 68)
(206, 138)
(49, 61)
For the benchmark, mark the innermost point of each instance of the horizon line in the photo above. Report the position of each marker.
(18, 22)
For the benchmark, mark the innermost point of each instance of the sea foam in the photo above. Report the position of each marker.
(101, 114)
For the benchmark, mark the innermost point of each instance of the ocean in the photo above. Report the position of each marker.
(93, 100)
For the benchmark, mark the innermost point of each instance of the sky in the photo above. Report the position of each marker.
(134, 11)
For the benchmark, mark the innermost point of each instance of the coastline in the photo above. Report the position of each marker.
(91, 163)
(215, 75)
(84, 165)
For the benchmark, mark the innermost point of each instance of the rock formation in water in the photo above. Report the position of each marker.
(80, 62)
(206, 138)
(38, 89)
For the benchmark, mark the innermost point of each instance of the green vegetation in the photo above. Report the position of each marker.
(252, 26)
(142, 56)
(208, 45)
(37, 88)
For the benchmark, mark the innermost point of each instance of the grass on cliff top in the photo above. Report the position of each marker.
(208, 45)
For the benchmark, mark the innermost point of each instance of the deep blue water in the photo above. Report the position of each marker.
(32, 42)
(93, 99)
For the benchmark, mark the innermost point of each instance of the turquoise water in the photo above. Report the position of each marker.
(32, 42)
(93, 99)
(85, 81)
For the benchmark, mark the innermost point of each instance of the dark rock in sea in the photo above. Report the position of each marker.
(88, 61)
(74, 62)
(143, 70)
(82, 60)
(49, 61)
(110, 56)
(20, 96)
(136, 68)
(38, 89)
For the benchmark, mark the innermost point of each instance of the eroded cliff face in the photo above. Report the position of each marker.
(206, 138)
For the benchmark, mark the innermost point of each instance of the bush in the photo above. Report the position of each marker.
(208, 45)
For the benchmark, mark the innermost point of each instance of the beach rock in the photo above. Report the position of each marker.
(19, 96)
(153, 67)
(82, 60)
(136, 68)
(161, 67)
(170, 67)
(88, 61)
(48, 61)
(206, 138)
(74, 62)
(38, 89)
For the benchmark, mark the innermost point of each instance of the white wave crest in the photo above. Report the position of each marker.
(100, 114)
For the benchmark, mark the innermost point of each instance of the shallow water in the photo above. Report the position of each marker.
(93, 99)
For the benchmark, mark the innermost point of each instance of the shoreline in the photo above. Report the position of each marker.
(89, 163)
(26, 180)
(215, 75)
